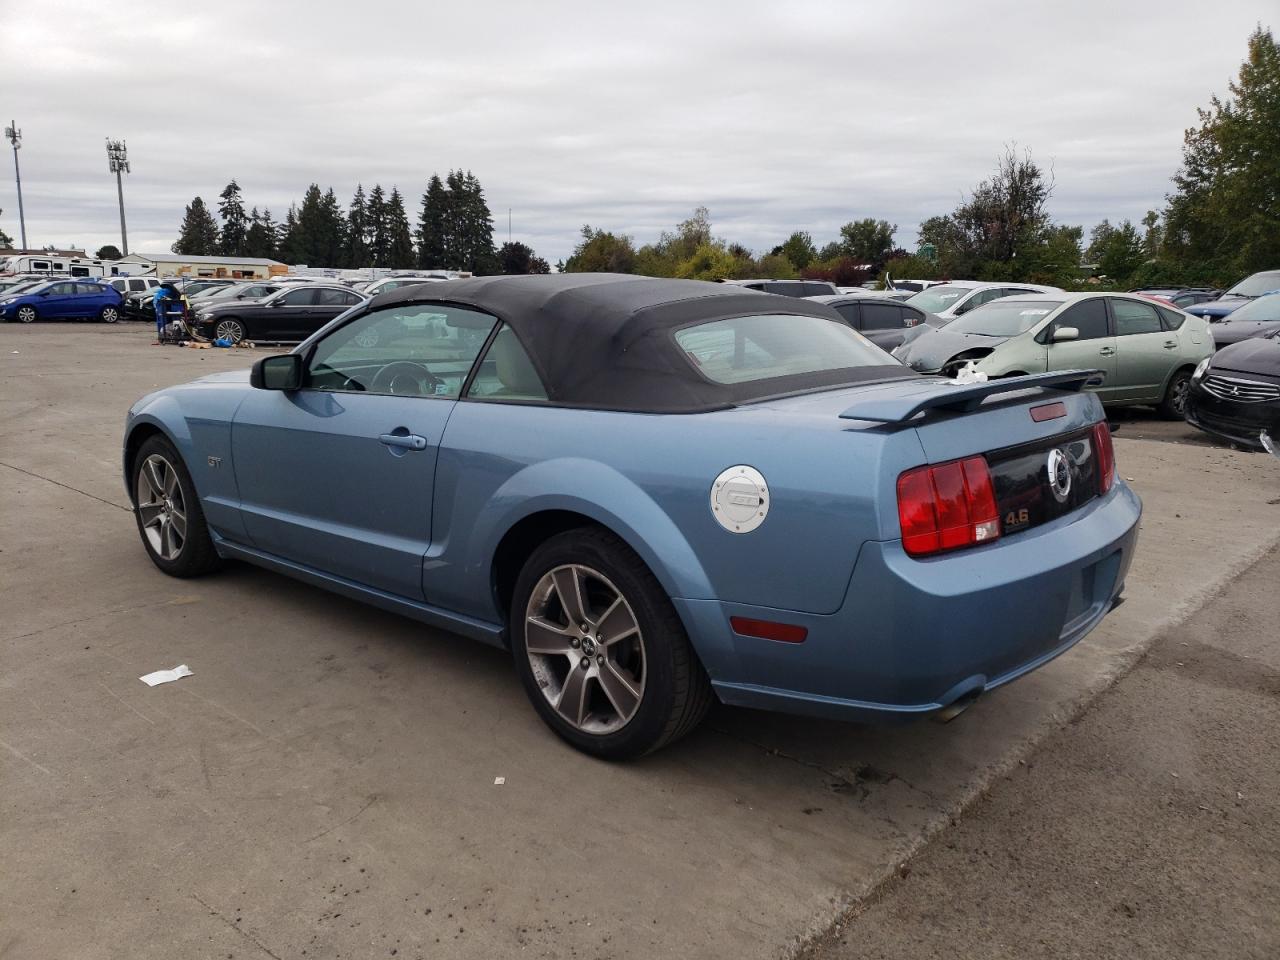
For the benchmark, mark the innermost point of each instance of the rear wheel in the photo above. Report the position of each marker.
(170, 521)
(600, 650)
(230, 330)
(27, 314)
(109, 315)
(1174, 404)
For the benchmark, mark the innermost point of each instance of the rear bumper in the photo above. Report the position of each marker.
(1240, 423)
(915, 636)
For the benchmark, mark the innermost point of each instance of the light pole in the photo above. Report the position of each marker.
(118, 159)
(15, 137)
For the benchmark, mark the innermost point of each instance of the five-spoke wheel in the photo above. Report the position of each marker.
(168, 512)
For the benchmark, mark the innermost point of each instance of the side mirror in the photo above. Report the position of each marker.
(1065, 333)
(283, 372)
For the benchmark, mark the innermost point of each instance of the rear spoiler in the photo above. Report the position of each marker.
(966, 398)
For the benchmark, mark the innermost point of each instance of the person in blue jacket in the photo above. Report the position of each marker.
(165, 295)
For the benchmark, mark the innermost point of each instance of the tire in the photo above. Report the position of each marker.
(1174, 404)
(162, 491)
(109, 314)
(229, 329)
(27, 315)
(654, 663)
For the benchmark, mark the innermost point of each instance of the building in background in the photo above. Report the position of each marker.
(180, 265)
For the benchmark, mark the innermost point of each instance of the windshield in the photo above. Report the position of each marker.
(1256, 285)
(24, 287)
(937, 299)
(1263, 308)
(1003, 318)
(741, 349)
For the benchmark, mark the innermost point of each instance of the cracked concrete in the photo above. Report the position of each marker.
(244, 790)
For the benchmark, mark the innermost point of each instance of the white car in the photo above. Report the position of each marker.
(394, 283)
(955, 298)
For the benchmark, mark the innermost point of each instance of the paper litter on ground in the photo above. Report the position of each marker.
(164, 676)
(499, 781)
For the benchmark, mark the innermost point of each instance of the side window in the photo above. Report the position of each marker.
(63, 289)
(1133, 318)
(1089, 317)
(79, 271)
(94, 288)
(348, 298)
(299, 298)
(507, 373)
(850, 311)
(412, 349)
(332, 298)
(120, 285)
(881, 316)
(911, 316)
(1171, 319)
(137, 284)
(978, 299)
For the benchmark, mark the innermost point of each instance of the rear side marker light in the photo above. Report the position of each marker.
(1048, 411)
(768, 630)
(1106, 454)
(947, 506)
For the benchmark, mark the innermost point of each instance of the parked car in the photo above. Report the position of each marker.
(63, 300)
(10, 287)
(1181, 297)
(292, 313)
(1146, 352)
(1236, 394)
(127, 285)
(387, 284)
(914, 286)
(789, 288)
(1257, 318)
(879, 319)
(654, 492)
(946, 301)
(249, 290)
(1249, 288)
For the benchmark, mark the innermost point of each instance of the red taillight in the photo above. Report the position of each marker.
(947, 506)
(769, 630)
(1106, 454)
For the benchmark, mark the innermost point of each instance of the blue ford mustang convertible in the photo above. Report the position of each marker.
(654, 492)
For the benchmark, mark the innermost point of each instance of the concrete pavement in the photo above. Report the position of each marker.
(324, 784)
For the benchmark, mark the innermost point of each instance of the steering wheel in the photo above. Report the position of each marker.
(405, 378)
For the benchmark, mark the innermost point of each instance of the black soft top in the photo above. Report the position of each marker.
(603, 340)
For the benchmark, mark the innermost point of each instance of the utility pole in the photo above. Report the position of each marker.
(118, 160)
(15, 137)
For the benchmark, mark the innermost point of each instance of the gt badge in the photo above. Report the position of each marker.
(1059, 468)
(740, 499)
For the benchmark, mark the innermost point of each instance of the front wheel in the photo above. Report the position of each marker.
(170, 521)
(27, 314)
(229, 330)
(109, 315)
(600, 649)
(1174, 404)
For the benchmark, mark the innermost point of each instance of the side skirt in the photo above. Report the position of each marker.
(490, 633)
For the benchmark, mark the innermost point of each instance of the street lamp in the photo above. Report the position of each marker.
(15, 137)
(118, 159)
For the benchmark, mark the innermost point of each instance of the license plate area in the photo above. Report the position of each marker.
(1039, 482)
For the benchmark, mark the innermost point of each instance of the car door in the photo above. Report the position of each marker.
(882, 324)
(59, 300)
(338, 476)
(1094, 347)
(1145, 351)
(331, 302)
(290, 315)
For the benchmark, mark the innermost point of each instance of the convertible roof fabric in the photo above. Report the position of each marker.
(604, 341)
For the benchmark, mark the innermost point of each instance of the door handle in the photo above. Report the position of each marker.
(1106, 352)
(1171, 344)
(405, 441)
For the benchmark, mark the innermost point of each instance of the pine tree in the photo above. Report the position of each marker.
(234, 221)
(431, 225)
(332, 232)
(357, 222)
(198, 235)
(271, 238)
(287, 244)
(376, 233)
(399, 236)
(260, 238)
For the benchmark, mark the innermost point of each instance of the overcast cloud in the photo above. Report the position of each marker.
(777, 116)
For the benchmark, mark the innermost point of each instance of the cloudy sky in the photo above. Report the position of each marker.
(776, 116)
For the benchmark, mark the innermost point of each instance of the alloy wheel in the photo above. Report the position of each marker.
(26, 314)
(229, 330)
(161, 507)
(586, 649)
(110, 315)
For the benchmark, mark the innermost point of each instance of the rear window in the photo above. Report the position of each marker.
(762, 347)
(1003, 318)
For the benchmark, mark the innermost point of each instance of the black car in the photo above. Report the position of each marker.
(1257, 318)
(881, 320)
(290, 314)
(1236, 393)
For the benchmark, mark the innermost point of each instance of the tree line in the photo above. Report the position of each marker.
(453, 230)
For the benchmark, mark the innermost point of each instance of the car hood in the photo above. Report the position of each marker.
(1233, 331)
(1261, 355)
(932, 349)
(1217, 308)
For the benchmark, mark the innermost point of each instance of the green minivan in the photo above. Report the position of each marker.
(1146, 350)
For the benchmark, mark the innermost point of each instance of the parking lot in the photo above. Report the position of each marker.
(327, 783)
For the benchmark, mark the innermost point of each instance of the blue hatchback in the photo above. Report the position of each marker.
(63, 300)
